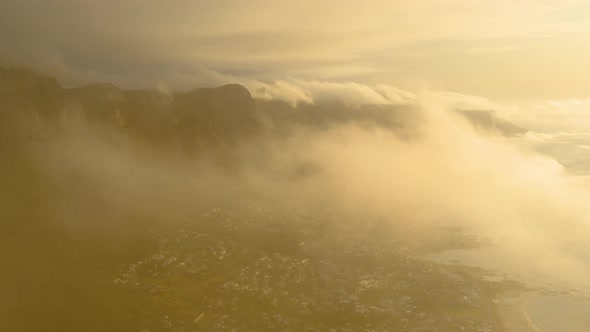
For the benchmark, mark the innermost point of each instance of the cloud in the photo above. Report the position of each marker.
(556, 115)
(524, 202)
(346, 93)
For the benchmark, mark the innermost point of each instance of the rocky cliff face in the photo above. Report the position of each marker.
(190, 118)
(195, 119)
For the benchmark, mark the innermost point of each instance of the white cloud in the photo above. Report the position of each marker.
(563, 115)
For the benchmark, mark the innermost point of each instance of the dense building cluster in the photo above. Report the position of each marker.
(313, 271)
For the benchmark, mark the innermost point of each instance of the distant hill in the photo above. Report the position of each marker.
(32, 104)
(188, 119)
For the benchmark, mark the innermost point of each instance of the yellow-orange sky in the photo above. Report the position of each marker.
(504, 50)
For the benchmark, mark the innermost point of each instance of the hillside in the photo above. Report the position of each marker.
(193, 119)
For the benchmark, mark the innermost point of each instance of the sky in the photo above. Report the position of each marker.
(532, 53)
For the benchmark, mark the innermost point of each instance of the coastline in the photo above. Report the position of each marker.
(514, 314)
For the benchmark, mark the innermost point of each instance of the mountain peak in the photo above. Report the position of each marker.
(12, 79)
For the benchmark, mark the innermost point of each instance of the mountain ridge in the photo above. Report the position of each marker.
(200, 117)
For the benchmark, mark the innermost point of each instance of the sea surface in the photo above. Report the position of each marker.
(556, 302)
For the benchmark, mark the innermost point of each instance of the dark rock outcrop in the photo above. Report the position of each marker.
(195, 120)
(189, 119)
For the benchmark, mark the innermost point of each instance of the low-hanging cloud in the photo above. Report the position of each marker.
(449, 174)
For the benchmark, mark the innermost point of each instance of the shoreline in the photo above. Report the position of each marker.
(514, 316)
